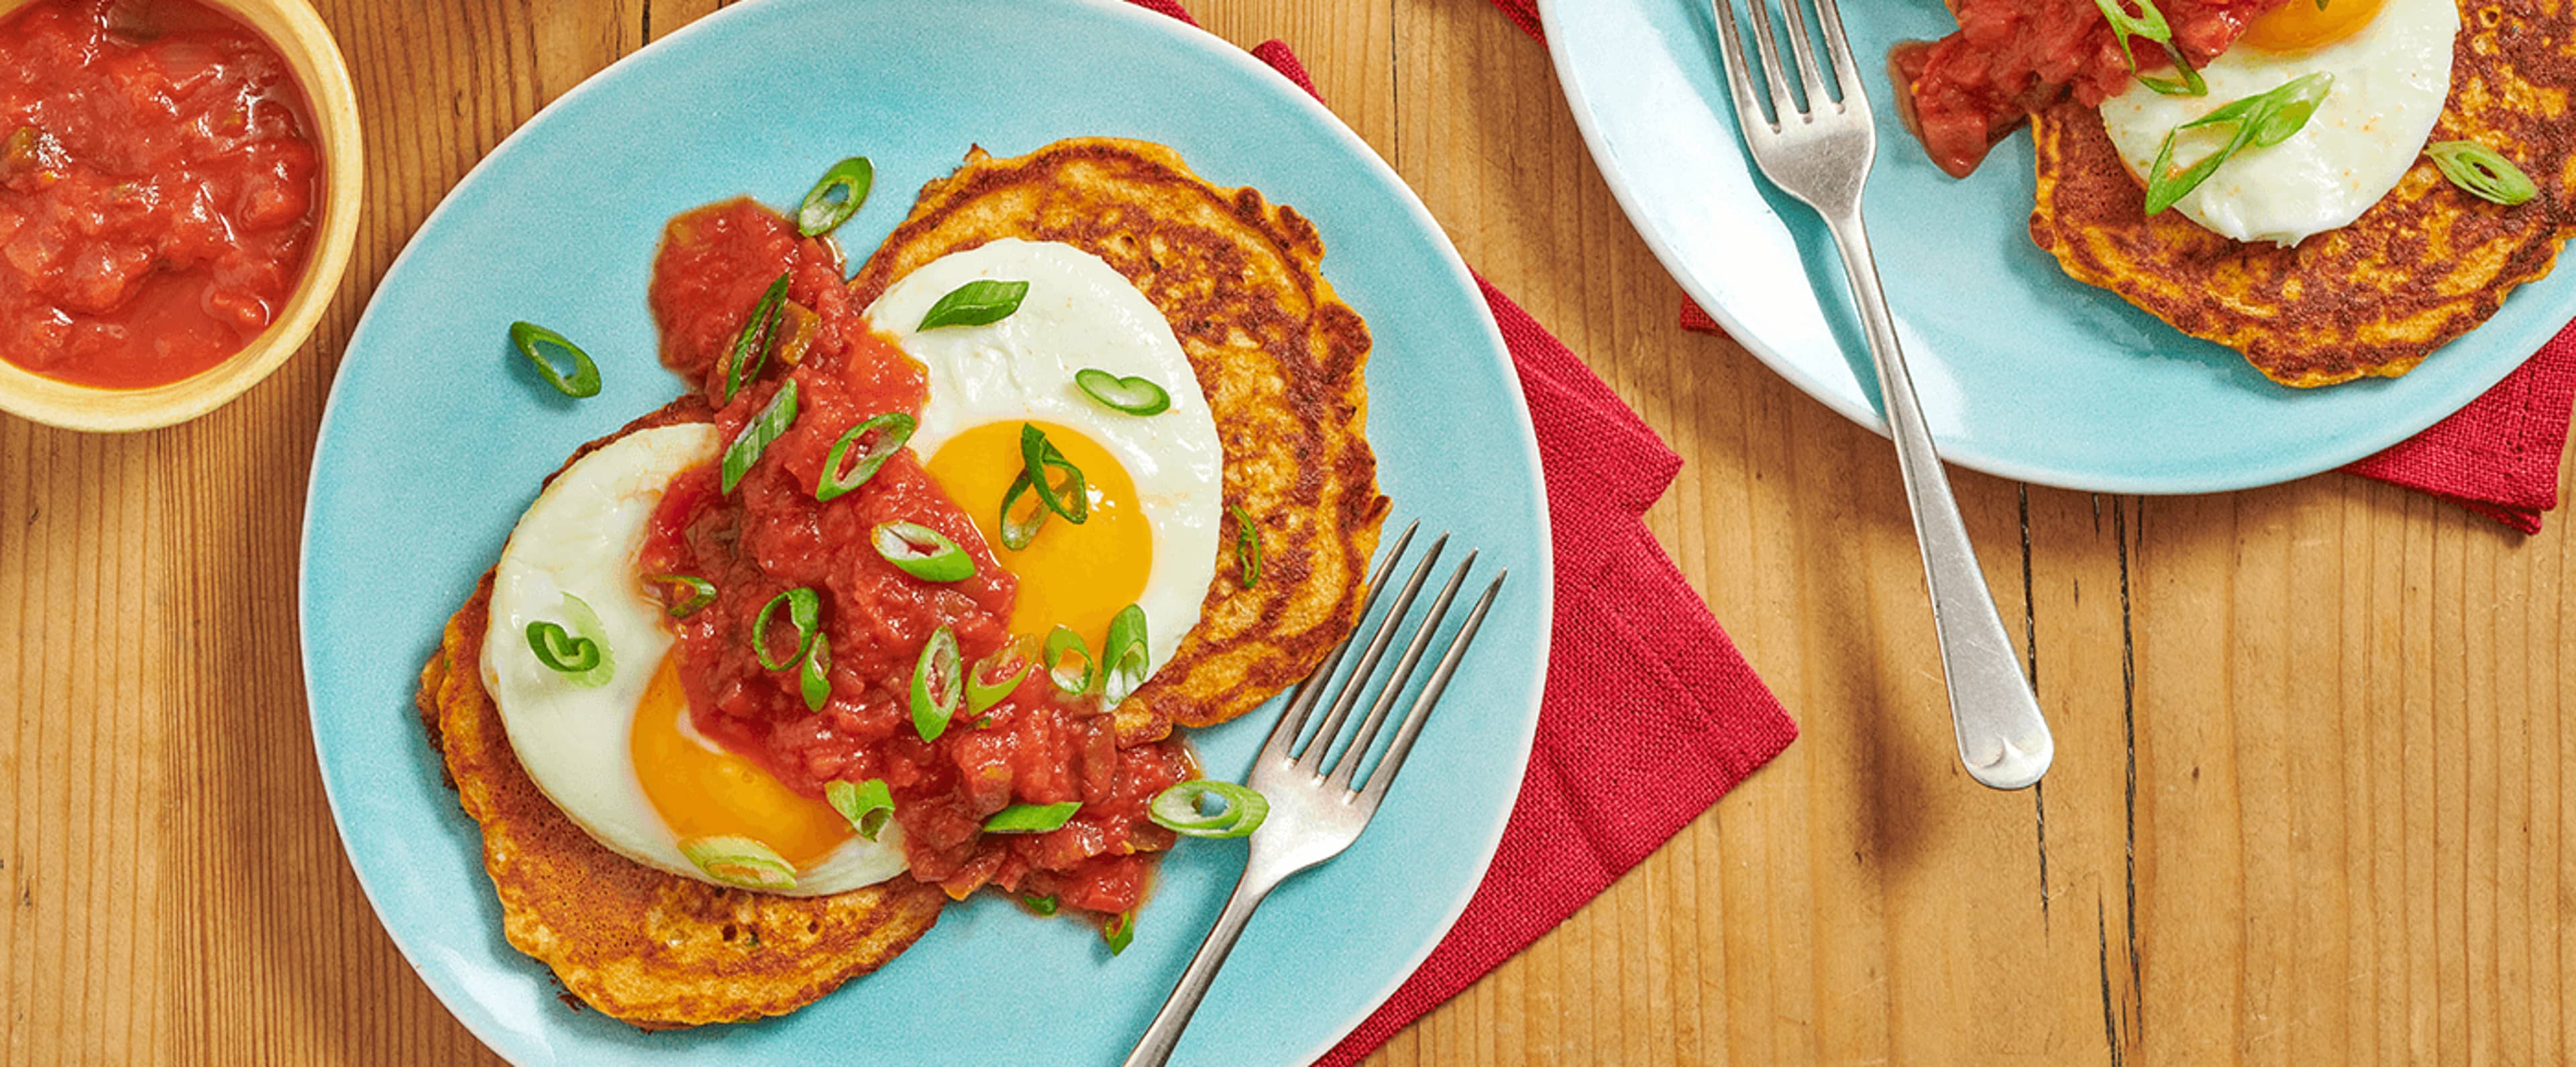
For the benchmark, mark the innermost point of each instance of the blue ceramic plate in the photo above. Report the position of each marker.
(2023, 371)
(437, 435)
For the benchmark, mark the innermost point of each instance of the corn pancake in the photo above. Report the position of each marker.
(1279, 356)
(643, 946)
(2426, 264)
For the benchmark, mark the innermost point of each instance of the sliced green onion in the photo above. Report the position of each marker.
(579, 652)
(1016, 535)
(701, 593)
(2261, 120)
(804, 611)
(1072, 499)
(560, 651)
(814, 675)
(922, 552)
(1177, 809)
(759, 335)
(981, 695)
(584, 380)
(756, 436)
(1041, 905)
(2150, 23)
(936, 684)
(1119, 931)
(1124, 656)
(740, 861)
(866, 804)
(1247, 546)
(2482, 171)
(822, 211)
(1135, 396)
(1031, 818)
(892, 430)
(976, 303)
(1060, 641)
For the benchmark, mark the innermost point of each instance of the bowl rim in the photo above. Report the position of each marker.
(298, 34)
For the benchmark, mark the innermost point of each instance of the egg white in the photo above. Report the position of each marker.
(1079, 313)
(2390, 80)
(582, 536)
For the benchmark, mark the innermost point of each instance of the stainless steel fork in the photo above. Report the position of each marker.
(1317, 808)
(1819, 149)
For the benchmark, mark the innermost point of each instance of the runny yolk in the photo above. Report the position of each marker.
(1077, 576)
(2301, 25)
(701, 792)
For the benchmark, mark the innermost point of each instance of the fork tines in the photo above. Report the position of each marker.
(1813, 92)
(1342, 771)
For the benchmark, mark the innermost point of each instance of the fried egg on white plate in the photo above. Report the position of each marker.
(2391, 62)
(1154, 482)
(612, 746)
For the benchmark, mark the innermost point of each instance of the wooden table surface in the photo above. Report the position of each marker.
(2313, 791)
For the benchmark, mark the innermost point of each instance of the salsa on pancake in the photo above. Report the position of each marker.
(158, 189)
(2013, 58)
(770, 534)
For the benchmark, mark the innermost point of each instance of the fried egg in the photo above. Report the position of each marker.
(612, 747)
(2391, 62)
(1154, 482)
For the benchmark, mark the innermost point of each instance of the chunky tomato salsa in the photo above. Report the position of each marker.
(2013, 58)
(157, 189)
(771, 535)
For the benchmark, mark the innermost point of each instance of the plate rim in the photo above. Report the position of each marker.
(1208, 46)
(1670, 255)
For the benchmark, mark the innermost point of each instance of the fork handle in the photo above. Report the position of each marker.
(1155, 1048)
(2002, 738)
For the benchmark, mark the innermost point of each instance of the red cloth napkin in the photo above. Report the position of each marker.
(2497, 457)
(1649, 714)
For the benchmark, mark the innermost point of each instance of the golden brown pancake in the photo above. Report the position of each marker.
(2425, 265)
(653, 949)
(1279, 356)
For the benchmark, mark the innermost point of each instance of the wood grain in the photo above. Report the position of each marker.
(2311, 805)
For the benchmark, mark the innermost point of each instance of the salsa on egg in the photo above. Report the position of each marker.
(157, 189)
(1035, 746)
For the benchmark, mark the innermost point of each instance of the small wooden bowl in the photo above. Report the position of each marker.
(299, 36)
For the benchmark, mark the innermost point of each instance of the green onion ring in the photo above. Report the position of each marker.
(2483, 172)
(1135, 395)
(560, 651)
(740, 861)
(1031, 818)
(1119, 931)
(821, 214)
(1247, 546)
(976, 303)
(759, 335)
(866, 804)
(893, 429)
(1037, 454)
(526, 336)
(756, 435)
(903, 544)
(701, 593)
(814, 674)
(1042, 905)
(1177, 809)
(1124, 656)
(2150, 23)
(804, 611)
(1017, 535)
(2261, 120)
(1059, 641)
(937, 684)
(981, 695)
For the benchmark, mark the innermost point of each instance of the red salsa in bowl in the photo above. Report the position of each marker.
(160, 189)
